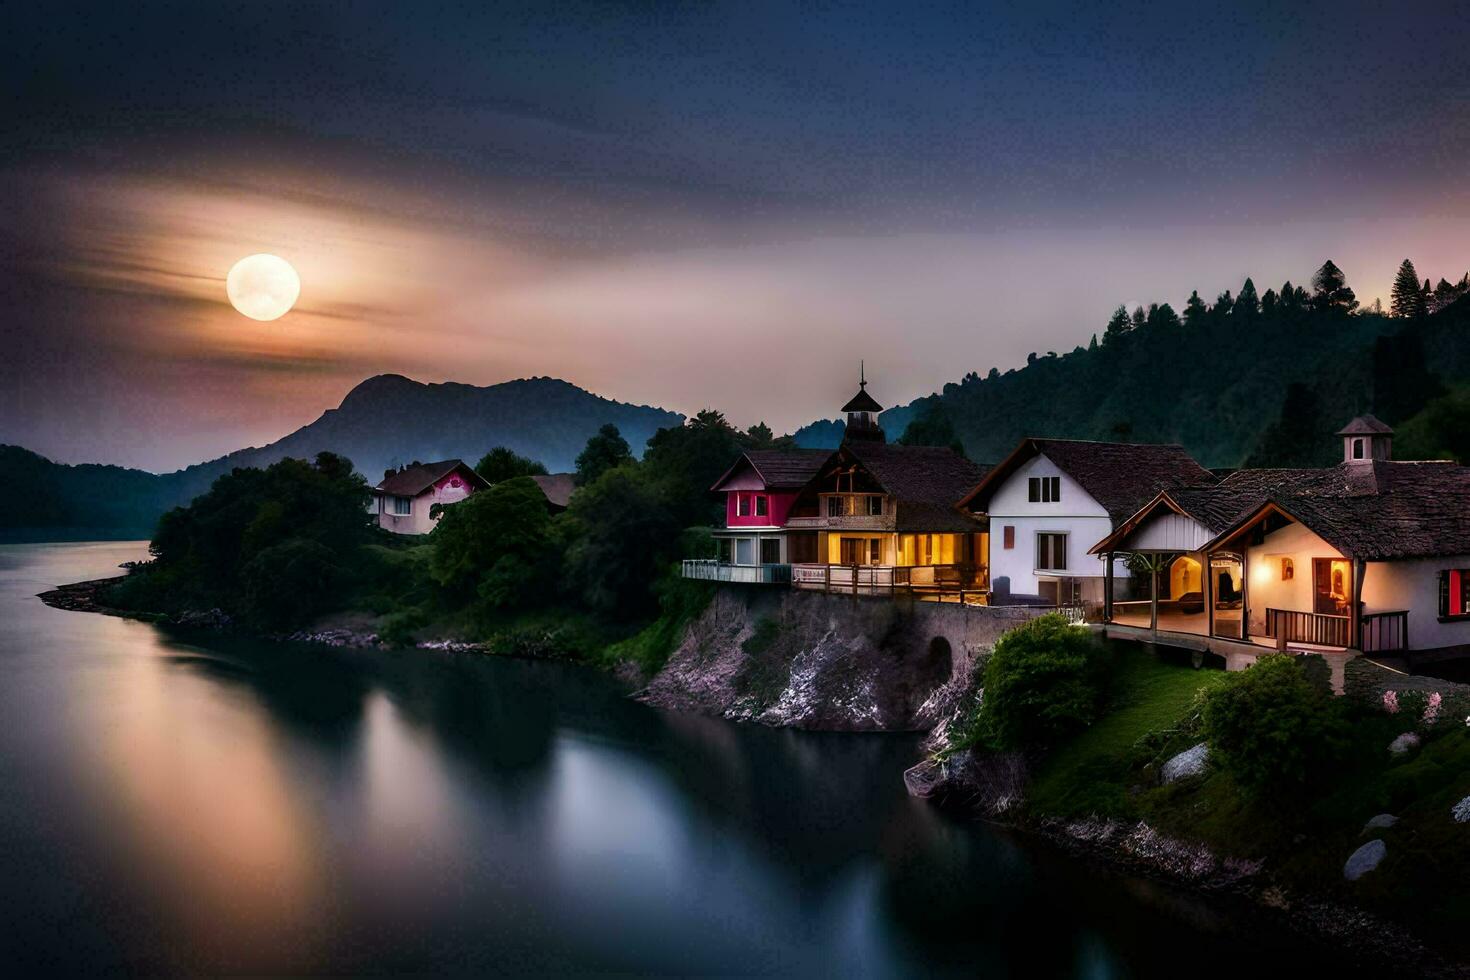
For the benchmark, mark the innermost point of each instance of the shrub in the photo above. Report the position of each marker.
(1046, 680)
(1271, 728)
(290, 583)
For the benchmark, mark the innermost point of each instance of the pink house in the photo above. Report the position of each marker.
(403, 500)
(760, 490)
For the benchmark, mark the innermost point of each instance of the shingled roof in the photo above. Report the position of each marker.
(1378, 511)
(780, 469)
(1121, 476)
(862, 402)
(926, 482)
(415, 478)
(1366, 425)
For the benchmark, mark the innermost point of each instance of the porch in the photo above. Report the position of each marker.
(953, 583)
(714, 570)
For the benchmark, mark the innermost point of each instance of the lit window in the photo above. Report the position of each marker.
(1454, 592)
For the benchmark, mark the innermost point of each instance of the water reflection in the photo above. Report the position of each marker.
(179, 803)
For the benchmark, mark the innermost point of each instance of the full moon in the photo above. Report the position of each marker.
(263, 286)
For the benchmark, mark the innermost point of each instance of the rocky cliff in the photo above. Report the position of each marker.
(834, 663)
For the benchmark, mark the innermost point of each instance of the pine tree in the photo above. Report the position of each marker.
(1195, 311)
(1405, 298)
(1093, 345)
(1118, 327)
(1268, 303)
(1330, 289)
(1247, 304)
(1161, 316)
(1140, 317)
(1224, 303)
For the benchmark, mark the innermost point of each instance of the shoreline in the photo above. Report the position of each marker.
(1121, 848)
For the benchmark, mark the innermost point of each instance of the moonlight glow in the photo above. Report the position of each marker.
(263, 286)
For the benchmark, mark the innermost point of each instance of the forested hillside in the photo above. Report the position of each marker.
(1264, 378)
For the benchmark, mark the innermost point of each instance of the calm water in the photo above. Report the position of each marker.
(187, 804)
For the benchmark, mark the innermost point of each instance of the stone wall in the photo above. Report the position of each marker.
(837, 663)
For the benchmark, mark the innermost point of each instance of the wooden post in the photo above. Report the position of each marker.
(1153, 595)
(1208, 588)
(1355, 621)
(1108, 591)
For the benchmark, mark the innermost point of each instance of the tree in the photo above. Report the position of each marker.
(1140, 317)
(1330, 289)
(932, 427)
(604, 451)
(493, 544)
(291, 583)
(1195, 311)
(1224, 304)
(1093, 345)
(1118, 327)
(1402, 381)
(1247, 304)
(1161, 316)
(1301, 434)
(1271, 728)
(1044, 681)
(1406, 300)
(685, 460)
(501, 464)
(622, 538)
(1268, 303)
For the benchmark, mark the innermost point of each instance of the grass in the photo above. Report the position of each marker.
(1092, 772)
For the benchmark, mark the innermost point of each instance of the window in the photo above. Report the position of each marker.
(1051, 552)
(1044, 489)
(402, 506)
(875, 551)
(744, 551)
(834, 506)
(1454, 593)
(742, 505)
(760, 506)
(770, 551)
(1008, 537)
(1357, 449)
(875, 506)
(722, 550)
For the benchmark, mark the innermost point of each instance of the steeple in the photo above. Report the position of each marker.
(1365, 439)
(862, 411)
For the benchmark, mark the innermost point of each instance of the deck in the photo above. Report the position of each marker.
(1237, 654)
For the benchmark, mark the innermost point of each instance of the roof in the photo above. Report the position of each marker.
(557, 487)
(1366, 425)
(1379, 511)
(862, 402)
(927, 483)
(1121, 476)
(415, 478)
(779, 469)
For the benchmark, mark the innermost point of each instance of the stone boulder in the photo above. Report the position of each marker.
(1189, 763)
(1405, 743)
(1381, 822)
(988, 782)
(1364, 859)
(1461, 811)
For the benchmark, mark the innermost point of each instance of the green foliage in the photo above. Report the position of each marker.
(501, 464)
(1301, 436)
(1330, 290)
(276, 545)
(1272, 728)
(604, 451)
(680, 601)
(1045, 681)
(399, 628)
(495, 544)
(686, 460)
(622, 535)
(932, 427)
(1406, 298)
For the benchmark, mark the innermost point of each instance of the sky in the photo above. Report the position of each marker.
(688, 205)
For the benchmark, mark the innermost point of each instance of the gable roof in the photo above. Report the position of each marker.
(558, 488)
(927, 483)
(414, 479)
(1366, 425)
(1120, 476)
(779, 469)
(1378, 511)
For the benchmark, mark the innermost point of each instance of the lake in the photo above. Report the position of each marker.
(193, 804)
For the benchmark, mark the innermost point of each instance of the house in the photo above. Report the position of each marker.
(1370, 555)
(759, 490)
(558, 488)
(868, 517)
(402, 501)
(1050, 500)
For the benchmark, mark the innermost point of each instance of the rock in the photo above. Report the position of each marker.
(1364, 859)
(1190, 762)
(1404, 743)
(1381, 822)
(1461, 811)
(988, 782)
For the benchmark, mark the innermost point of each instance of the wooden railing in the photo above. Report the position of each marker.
(1385, 632)
(1291, 626)
(709, 570)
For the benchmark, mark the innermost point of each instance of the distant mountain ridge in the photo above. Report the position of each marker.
(387, 420)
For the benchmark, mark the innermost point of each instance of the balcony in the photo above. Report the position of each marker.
(960, 582)
(710, 570)
(849, 512)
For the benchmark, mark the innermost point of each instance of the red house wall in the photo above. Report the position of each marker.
(778, 506)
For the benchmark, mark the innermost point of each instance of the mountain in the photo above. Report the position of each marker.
(385, 421)
(1217, 386)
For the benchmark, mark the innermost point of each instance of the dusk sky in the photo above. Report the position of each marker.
(691, 205)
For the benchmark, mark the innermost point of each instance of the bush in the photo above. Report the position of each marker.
(1045, 681)
(1271, 728)
(290, 583)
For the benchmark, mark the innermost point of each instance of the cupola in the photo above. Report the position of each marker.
(862, 412)
(1365, 439)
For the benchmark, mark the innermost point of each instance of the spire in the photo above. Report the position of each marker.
(862, 410)
(862, 375)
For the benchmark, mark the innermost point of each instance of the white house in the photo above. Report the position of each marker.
(1369, 555)
(405, 497)
(1051, 500)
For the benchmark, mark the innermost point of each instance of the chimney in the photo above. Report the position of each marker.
(1366, 439)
